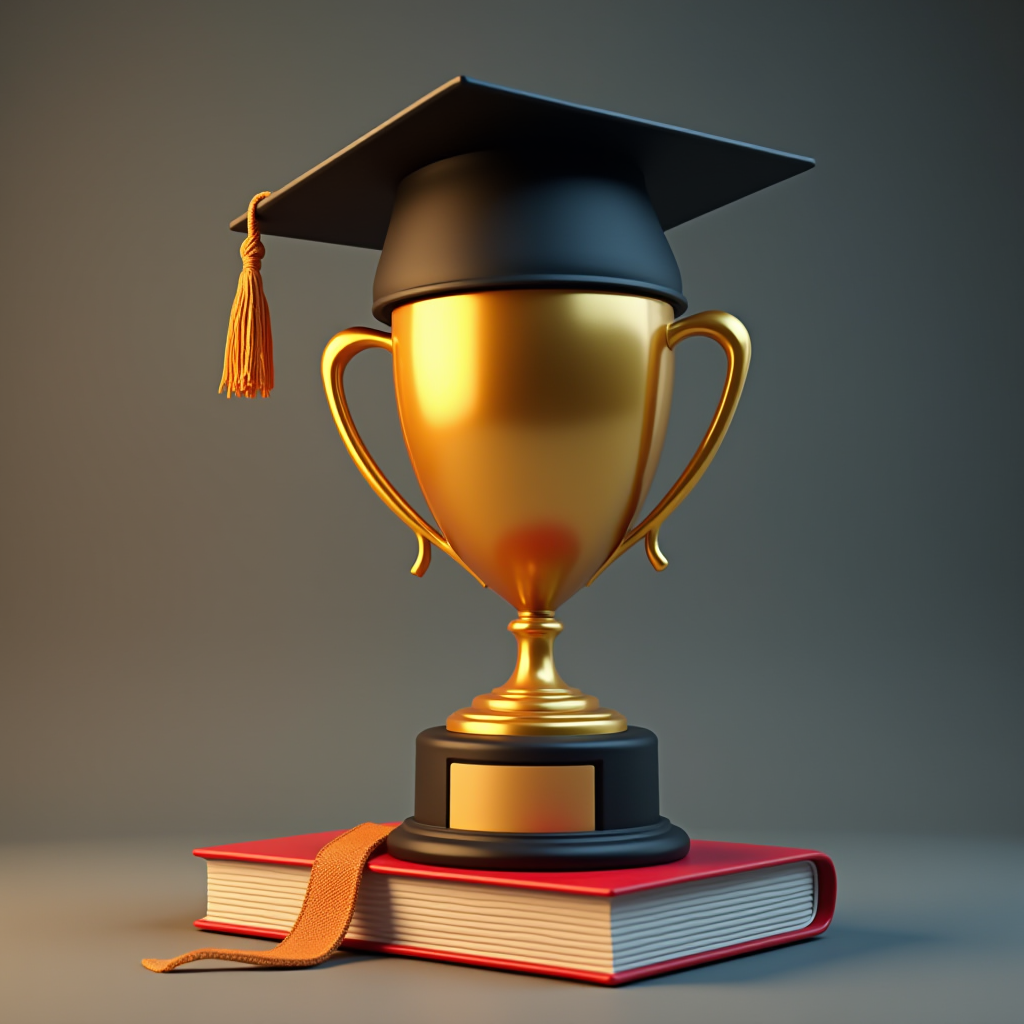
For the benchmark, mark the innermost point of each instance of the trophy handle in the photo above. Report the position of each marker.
(340, 351)
(734, 339)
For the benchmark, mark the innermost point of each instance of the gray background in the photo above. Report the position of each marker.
(208, 622)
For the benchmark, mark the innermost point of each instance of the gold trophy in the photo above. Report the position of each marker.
(535, 306)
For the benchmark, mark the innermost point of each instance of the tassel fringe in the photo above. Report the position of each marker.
(249, 350)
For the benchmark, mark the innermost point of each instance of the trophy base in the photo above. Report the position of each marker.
(539, 851)
(538, 803)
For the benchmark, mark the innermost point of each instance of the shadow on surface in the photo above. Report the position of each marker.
(338, 960)
(177, 924)
(839, 943)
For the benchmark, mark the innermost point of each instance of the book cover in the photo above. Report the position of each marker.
(614, 920)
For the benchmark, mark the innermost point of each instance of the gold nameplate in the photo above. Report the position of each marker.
(521, 798)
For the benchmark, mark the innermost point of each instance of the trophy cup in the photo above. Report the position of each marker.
(534, 420)
(535, 305)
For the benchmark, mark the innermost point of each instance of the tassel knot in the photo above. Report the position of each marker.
(249, 350)
(252, 252)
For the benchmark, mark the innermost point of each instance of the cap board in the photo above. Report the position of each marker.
(348, 199)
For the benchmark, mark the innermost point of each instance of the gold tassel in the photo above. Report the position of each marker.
(249, 351)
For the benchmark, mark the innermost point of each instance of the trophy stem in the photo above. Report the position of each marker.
(536, 701)
(535, 671)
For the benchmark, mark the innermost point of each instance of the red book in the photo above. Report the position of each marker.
(607, 927)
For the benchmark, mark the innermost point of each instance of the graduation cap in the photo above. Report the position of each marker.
(476, 187)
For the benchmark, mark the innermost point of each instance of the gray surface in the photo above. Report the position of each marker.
(926, 930)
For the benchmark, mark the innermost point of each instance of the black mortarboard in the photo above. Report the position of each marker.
(478, 187)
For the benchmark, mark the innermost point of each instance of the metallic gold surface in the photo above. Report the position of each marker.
(728, 332)
(535, 700)
(521, 798)
(534, 421)
(340, 351)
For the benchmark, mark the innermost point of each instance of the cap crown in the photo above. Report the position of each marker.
(491, 220)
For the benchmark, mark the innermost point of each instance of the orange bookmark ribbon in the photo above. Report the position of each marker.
(326, 909)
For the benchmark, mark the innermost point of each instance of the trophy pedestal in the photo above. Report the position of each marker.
(538, 803)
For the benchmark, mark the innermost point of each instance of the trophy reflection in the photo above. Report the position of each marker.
(534, 420)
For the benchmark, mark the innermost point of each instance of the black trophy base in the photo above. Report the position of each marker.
(539, 851)
(497, 802)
